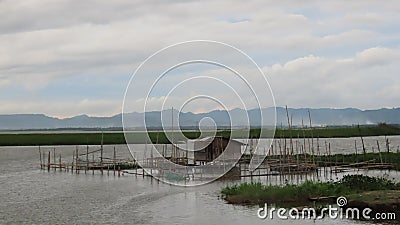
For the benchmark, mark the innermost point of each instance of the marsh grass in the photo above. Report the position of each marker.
(257, 193)
(384, 157)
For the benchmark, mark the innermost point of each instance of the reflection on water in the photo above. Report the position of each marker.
(31, 196)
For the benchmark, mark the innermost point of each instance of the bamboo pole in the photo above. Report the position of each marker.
(355, 147)
(101, 153)
(363, 146)
(151, 161)
(87, 158)
(303, 149)
(379, 150)
(143, 169)
(362, 140)
(290, 130)
(329, 149)
(297, 149)
(48, 162)
(312, 137)
(326, 153)
(172, 128)
(67, 166)
(40, 156)
(76, 160)
(119, 170)
(387, 144)
(59, 161)
(54, 158)
(285, 152)
(92, 163)
(136, 165)
(114, 161)
(44, 158)
(73, 161)
(145, 162)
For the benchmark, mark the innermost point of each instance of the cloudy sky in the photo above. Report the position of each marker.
(64, 58)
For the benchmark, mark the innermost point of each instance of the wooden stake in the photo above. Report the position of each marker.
(54, 158)
(40, 155)
(76, 161)
(363, 146)
(119, 171)
(355, 147)
(87, 158)
(379, 150)
(304, 141)
(44, 158)
(48, 162)
(290, 131)
(72, 164)
(312, 137)
(172, 128)
(387, 144)
(114, 161)
(101, 153)
(93, 163)
(136, 164)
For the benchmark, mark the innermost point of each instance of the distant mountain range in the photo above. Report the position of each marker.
(320, 117)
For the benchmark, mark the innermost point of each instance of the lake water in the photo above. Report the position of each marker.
(31, 196)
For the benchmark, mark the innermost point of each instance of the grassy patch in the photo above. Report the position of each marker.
(348, 131)
(383, 157)
(377, 197)
(257, 193)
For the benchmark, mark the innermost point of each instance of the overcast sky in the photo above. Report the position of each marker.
(64, 58)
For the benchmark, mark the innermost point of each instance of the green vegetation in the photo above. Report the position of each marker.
(93, 138)
(377, 197)
(383, 157)
(257, 193)
(331, 132)
(30, 139)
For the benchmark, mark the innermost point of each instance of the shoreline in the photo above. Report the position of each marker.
(14, 138)
(379, 194)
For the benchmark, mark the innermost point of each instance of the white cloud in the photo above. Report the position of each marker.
(367, 80)
(324, 47)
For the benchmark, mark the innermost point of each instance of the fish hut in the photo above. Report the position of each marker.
(221, 149)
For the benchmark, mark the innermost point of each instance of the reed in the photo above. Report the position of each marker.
(257, 193)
